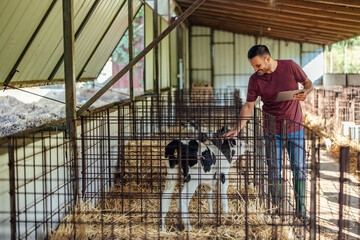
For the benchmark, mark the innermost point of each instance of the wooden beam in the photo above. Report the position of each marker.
(262, 4)
(258, 26)
(179, 11)
(261, 9)
(251, 30)
(148, 48)
(347, 3)
(251, 15)
(273, 22)
(333, 30)
(70, 86)
(319, 6)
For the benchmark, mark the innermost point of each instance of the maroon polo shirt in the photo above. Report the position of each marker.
(286, 77)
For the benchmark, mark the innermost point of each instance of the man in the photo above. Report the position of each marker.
(271, 77)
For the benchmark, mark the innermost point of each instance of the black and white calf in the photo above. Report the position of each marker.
(200, 164)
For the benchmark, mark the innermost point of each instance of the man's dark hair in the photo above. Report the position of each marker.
(258, 50)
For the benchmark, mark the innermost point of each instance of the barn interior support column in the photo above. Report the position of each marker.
(301, 55)
(70, 86)
(212, 56)
(131, 36)
(169, 47)
(156, 49)
(190, 56)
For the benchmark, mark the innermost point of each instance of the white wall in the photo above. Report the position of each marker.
(231, 66)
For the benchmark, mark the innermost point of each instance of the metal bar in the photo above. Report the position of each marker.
(70, 85)
(156, 48)
(12, 188)
(42, 96)
(131, 38)
(169, 47)
(143, 46)
(246, 199)
(100, 41)
(110, 167)
(14, 70)
(77, 34)
(314, 175)
(156, 41)
(83, 155)
(344, 157)
(212, 56)
(190, 56)
(234, 68)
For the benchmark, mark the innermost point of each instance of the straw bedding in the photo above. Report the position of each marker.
(137, 215)
(337, 141)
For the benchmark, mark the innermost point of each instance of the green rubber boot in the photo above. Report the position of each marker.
(300, 192)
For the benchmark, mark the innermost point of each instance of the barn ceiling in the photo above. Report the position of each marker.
(320, 22)
(31, 39)
(31, 47)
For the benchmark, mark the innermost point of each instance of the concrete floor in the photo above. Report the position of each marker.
(328, 203)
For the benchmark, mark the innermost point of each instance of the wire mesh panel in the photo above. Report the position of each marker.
(332, 106)
(41, 180)
(160, 167)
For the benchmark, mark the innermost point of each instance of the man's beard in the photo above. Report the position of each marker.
(263, 71)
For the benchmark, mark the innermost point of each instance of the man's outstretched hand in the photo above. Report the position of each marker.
(232, 133)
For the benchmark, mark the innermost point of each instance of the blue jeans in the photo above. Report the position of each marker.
(295, 146)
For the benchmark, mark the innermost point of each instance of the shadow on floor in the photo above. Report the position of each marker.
(349, 200)
(334, 233)
(349, 225)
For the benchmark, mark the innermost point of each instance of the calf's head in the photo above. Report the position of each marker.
(233, 148)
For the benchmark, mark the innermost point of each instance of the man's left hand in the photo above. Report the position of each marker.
(308, 87)
(300, 96)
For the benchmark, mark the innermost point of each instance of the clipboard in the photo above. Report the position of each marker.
(288, 95)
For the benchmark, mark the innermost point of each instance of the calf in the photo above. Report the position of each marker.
(200, 164)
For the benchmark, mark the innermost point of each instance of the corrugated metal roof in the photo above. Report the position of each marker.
(36, 25)
(18, 21)
(108, 44)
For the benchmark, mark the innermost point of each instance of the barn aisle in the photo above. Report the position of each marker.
(329, 200)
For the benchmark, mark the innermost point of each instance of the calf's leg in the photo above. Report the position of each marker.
(166, 199)
(186, 195)
(224, 187)
(210, 196)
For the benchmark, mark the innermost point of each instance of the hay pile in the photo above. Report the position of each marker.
(337, 140)
(131, 209)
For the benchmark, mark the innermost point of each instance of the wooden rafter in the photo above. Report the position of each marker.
(321, 22)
